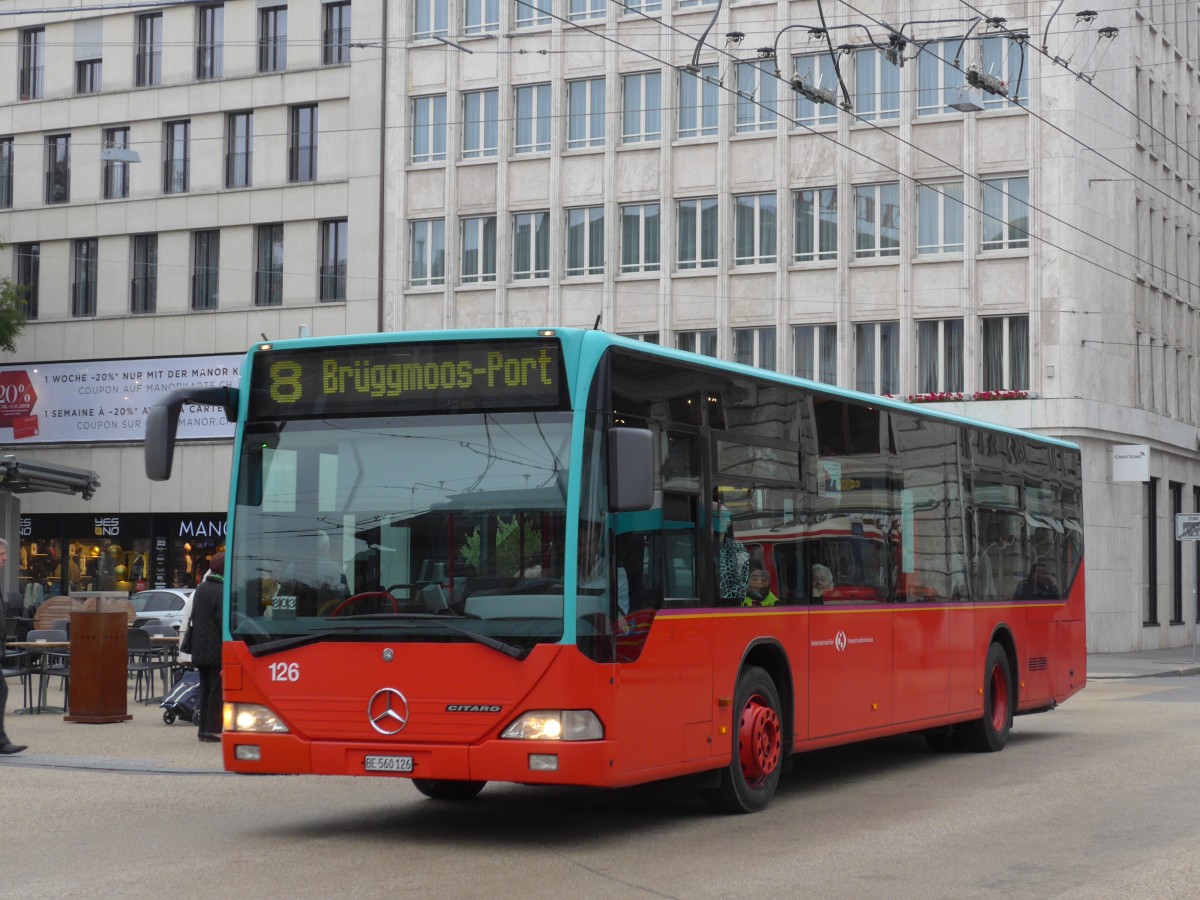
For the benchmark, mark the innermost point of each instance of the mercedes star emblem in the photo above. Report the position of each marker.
(388, 711)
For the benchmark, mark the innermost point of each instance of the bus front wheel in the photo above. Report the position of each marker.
(989, 733)
(439, 789)
(750, 779)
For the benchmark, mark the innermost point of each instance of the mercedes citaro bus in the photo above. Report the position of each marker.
(524, 555)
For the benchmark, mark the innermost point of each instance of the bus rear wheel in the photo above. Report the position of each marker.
(749, 781)
(439, 789)
(989, 733)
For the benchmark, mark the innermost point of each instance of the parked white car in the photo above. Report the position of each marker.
(170, 606)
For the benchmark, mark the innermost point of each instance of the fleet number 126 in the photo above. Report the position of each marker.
(283, 671)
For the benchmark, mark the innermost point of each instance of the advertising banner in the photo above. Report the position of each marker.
(95, 401)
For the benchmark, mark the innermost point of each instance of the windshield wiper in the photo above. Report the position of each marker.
(298, 640)
(487, 640)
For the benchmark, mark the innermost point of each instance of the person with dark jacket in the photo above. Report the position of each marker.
(7, 747)
(206, 646)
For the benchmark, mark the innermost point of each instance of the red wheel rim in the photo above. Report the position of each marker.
(999, 691)
(759, 743)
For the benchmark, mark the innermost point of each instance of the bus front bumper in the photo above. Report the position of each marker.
(528, 762)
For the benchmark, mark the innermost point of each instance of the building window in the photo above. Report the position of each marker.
(586, 10)
(58, 168)
(33, 63)
(28, 276)
(533, 118)
(754, 347)
(1006, 353)
(940, 218)
(816, 70)
(646, 337)
(268, 271)
(88, 76)
(481, 16)
(302, 144)
(1005, 58)
(1151, 552)
(532, 13)
(1175, 489)
(758, 96)
(430, 19)
(940, 355)
(688, 4)
(210, 37)
(876, 86)
(143, 295)
(427, 252)
(754, 230)
(644, 6)
(877, 357)
(333, 259)
(641, 108)
(83, 277)
(698, 233)
(478, 250)
(937, 77)
(531, 246)
(703, 342)
(148, 62)
(6, 173)
(206, 267)
(816, 224)
(816, 352)
(336, 44)
(239, 146)
(1006, 213)
(585, 241)
(176, 151)
(699, 111)
(429, 129)
(585, 113)
(481, 124)
(272, 39)
(639, 238)
(114, 175)
(876, 220)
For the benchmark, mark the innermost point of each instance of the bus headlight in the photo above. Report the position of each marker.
(251, 717)
(556, 725)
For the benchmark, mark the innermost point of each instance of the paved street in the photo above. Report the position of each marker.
(1097, 799)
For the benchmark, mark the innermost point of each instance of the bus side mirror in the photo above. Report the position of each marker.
(162, 423)
(630, 469)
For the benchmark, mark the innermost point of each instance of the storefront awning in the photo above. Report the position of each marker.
(24, 476)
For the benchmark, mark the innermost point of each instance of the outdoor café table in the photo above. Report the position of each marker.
(37, 651)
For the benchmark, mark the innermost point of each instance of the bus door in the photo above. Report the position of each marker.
(663, 682)
(850, 634)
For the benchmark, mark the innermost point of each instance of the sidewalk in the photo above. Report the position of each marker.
(1144, 663)
(146, 744)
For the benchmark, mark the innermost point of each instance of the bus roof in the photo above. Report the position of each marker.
(576, 341)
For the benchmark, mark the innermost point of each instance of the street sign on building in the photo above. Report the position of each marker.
(1187, 527)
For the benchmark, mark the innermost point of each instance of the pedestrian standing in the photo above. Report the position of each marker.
(7, 747)
(206, 646)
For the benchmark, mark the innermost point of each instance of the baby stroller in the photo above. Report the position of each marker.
(182, 701)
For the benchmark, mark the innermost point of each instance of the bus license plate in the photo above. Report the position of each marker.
(388, 763)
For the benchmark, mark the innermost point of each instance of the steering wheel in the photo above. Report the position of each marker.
(354, 600)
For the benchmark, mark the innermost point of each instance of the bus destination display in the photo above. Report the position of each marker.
(407, 378)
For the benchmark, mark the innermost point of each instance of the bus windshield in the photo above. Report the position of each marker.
(445, 528)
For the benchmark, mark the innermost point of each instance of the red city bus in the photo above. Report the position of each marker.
(527, 556)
